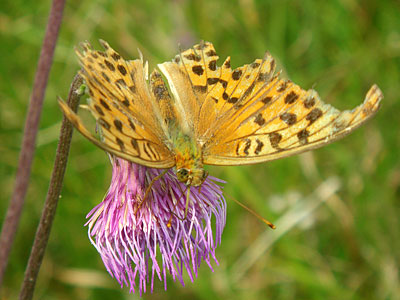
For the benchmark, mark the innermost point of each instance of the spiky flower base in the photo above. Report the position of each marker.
(138, 240)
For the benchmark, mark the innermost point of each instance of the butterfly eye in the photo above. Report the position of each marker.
(182, 174)
(205, 175)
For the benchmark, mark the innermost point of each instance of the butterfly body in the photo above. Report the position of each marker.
(180, 138)
(195, 112)
(188, 159)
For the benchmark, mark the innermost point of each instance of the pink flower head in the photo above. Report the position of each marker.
(138, 240)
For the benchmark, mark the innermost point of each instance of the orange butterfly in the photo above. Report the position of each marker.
(207, 114)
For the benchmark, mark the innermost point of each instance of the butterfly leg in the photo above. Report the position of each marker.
(149, 188)
(187, 191)
(187, 201)
(204, 179)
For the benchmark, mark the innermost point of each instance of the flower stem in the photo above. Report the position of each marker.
(48, 213)
(14, 210)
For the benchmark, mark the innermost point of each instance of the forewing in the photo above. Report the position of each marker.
(207, 95)
(232, 91)
(281, 119)
(123, 107)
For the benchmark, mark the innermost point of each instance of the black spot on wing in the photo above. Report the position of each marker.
(259, 120)
(115, 56)
(200, 46)
(291, 97)
(146, 150)
(266, 100)
(227, 64)
(132, 88)
(99, 110)
(233, 100)
(132, 125)
(259, 147)
(212, 65)
(212, 81)
(193, 57)
(275, 139)
(104, 104)
(118, 125)
(236, 74)
(200, 88)
(309, 102)
(263, 77)
(135, 145)
(247, 147)
(120, 82)
(314, 115)
(288, 118)
(248, 91)
(283, 86)
(224, 83)
(198, 70)
(120, 143)
(103, 123)
(125, 102)
(109, 65)
(105, 77)
(303, 136)
(122, 70)
(211, 53)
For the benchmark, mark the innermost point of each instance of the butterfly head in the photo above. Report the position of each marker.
(193, 177)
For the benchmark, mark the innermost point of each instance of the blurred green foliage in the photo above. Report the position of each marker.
(348, 248)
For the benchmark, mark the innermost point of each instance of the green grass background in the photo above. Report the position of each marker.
(347, 248)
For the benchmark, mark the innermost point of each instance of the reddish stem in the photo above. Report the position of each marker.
(49, 210)
(13, 215)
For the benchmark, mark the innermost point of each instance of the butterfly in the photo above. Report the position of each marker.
(190, 111)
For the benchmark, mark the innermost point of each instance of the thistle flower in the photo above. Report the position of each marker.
(141, 239)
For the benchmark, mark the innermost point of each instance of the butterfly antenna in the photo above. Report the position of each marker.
(187, 191)
(149, 188)
(253, 212)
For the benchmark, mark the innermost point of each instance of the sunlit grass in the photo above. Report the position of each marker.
(346, 248)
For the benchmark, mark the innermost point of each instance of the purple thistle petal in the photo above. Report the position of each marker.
(138, 242)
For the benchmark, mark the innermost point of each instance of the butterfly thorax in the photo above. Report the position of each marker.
(189, 165)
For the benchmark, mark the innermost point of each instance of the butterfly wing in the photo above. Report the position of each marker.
(123, 107)
(191, 78)
(240, 116)
(249, 115)
(279, 119)
(206, 93)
